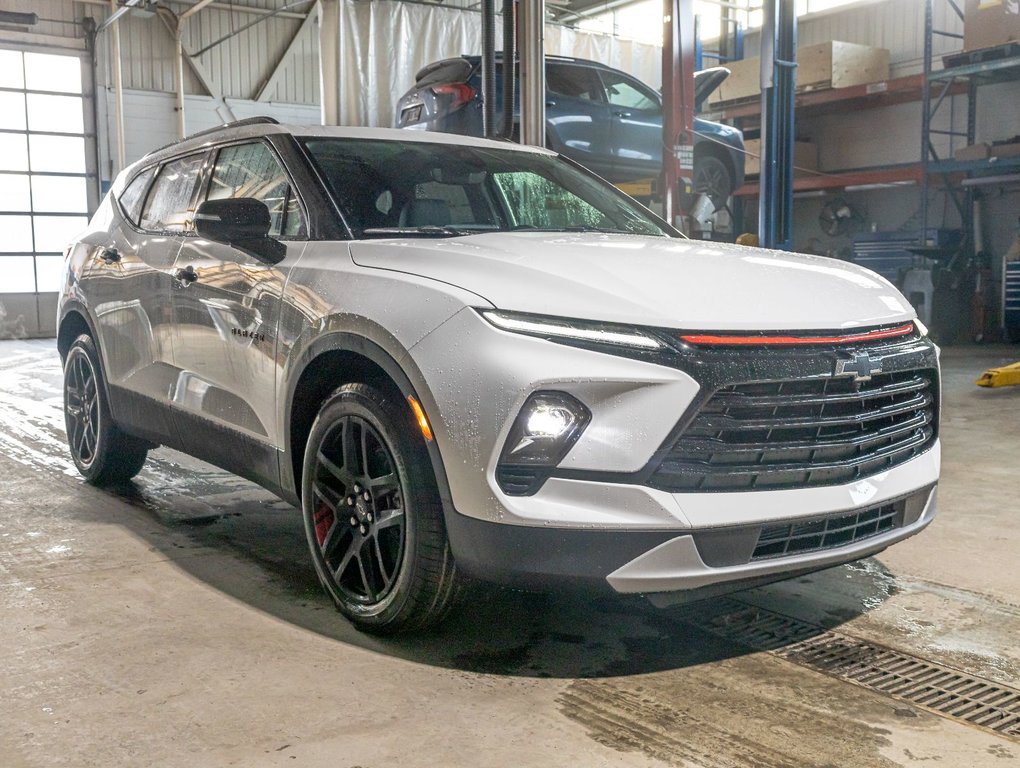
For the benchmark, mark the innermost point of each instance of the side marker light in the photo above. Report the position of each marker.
(419, 415)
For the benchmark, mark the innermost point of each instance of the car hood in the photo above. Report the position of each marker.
(686, 284)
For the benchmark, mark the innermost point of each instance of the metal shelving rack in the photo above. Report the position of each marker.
(939, 85)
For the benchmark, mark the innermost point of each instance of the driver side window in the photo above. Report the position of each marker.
(625, 92)
(252, 170)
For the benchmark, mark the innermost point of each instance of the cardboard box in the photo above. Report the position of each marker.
(805, 157)
(1006, 150)
(973, 152)
(833, 64)
(987, 23)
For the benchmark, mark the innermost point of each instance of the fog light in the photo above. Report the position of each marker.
(544, 431)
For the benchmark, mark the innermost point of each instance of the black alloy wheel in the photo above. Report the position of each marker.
(359, 510)
(373, 516)
(102, 453)
(81, 407)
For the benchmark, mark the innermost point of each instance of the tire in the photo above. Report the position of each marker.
(385, 559)
(712, 177)
(103, 454)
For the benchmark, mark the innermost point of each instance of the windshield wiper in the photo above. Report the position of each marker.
(428, 230)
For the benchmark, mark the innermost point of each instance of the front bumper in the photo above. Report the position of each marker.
(670, 566)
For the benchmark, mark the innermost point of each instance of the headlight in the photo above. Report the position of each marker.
(564, 329)
(544, 431)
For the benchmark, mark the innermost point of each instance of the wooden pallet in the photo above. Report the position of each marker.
(996, 52)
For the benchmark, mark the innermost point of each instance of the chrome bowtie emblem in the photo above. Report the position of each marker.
(861, 367)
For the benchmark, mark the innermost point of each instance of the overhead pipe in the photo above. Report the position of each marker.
(509, 70)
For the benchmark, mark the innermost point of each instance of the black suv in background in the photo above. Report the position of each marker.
(601, 117)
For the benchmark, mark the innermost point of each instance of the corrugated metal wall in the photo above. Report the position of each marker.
(238, 66)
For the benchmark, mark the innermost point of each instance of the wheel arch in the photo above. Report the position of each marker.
(330, 362)
(74, 321)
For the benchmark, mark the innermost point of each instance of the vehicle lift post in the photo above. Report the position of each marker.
(778, 86)
(678, 49)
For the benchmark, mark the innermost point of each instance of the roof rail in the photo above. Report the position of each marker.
(257, 120)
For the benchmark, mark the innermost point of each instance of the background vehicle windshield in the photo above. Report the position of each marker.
(384, 188)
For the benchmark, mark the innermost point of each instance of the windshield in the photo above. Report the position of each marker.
(393, 188)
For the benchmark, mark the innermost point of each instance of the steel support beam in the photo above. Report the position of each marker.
(531, 43)
(331, 60)
(205, 78)
(778, 86)
(677, 106)
(118, 84)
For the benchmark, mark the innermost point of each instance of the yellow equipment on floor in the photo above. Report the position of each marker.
(1006, 376)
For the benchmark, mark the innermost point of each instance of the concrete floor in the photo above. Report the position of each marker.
(178, 623)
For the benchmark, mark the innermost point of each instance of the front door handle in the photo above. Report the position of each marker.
(110, 255)
(186, 276)
(619, 113)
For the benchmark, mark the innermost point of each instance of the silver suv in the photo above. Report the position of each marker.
(468, 358)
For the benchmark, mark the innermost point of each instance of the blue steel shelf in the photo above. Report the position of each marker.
(975, 166)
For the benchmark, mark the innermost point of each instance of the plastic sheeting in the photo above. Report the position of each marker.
(383, 44)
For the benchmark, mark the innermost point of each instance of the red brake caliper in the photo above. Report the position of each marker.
(323, 522)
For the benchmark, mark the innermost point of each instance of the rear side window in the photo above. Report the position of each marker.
(132, 198)
(168, 206)
(251, 170)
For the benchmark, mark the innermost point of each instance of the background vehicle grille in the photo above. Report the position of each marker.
(826, 533)
(802, 433)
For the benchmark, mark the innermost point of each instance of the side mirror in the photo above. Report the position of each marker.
(242, 222)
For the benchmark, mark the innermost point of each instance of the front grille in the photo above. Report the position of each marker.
(827, 532)
(801, 433)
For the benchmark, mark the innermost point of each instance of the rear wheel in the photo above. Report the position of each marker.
(101, 452)
(373, 516)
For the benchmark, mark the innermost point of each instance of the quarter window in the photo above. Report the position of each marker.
(251, 170)
(168, 207)
(132, 198)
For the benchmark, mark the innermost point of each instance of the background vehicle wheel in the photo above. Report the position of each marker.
(712, 178)
(101, 452)
(373, 516)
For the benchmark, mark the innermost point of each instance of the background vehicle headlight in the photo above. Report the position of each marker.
(544, 431)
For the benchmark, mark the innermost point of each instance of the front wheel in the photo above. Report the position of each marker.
(373, 516)
(712, 178)
(102, 453)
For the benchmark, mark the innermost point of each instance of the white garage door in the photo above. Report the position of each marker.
(43, 181)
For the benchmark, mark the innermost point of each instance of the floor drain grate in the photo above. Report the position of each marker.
(945, 691)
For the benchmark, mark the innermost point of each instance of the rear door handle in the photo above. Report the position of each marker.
(619, 113)
(110, 255)
(550, 103)
(186, 276)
